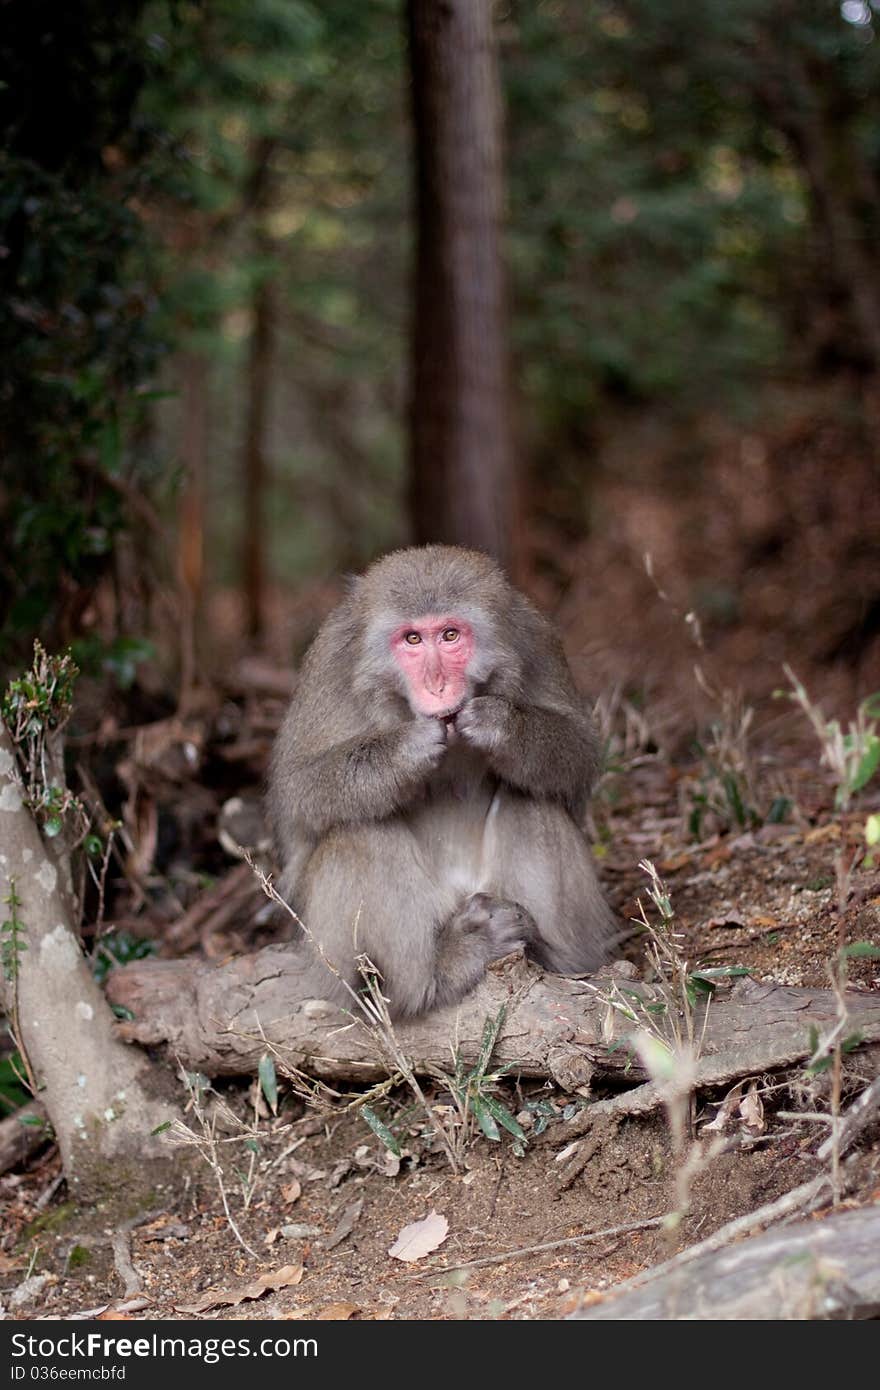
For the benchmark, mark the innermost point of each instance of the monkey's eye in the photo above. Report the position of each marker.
(451, 634)
(412, 638)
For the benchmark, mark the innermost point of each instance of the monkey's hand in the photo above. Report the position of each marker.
(422, 745)
(485, 722)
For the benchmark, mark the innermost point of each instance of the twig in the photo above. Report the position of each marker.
(120, 1243)
(651, 1221)
(858, 1116)
(797, 1200)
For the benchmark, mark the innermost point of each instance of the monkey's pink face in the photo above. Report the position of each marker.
(433, 654)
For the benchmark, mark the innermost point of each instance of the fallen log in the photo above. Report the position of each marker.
(815, 1270)
(221, 1019)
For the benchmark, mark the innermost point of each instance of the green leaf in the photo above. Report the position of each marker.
(268, 1081)
(779, 810)
(381, 1130)
(818, 1067)
(52, 827)
(868, 765)
(850, 1043)
(160, 1129)
(252, 1145)
(872, 829)
(485, 1119)
(491, 1029)
(506, 1119)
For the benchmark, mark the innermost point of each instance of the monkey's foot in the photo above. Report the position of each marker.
(506, 926)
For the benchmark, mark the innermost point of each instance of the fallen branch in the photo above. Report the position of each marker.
(219, 1019)
(813, 1270)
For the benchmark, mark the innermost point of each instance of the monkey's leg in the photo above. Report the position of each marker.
(481, 930)
(536, 855)
(368, 891)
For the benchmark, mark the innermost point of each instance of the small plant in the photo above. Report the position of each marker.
(853, 755)
(215, 1127)
(35, 709)
(722, 794)
(473, 1092)
(827, 1051)
(12, 941)
(666, 1034)
(119, 948)
(12, 944)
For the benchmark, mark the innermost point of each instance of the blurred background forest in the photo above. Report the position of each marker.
(225, 326)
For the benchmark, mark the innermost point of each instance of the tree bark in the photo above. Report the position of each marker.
(462, 472)
(825, 1270)
(191, 536)
(97, 1093)
(218, 1019)
(259, 374)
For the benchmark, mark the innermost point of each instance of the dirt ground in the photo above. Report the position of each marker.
(328, 1201)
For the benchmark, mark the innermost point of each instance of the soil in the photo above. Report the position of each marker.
(763, 898)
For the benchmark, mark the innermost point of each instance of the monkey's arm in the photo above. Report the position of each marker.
(356, 780)
(546, 752)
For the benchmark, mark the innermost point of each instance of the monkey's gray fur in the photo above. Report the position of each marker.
(433, 848)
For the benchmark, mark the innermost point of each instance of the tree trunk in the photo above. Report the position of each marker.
(462, 473)
(191, 535)
(259, 373)
(95, 1089)
(254, 540)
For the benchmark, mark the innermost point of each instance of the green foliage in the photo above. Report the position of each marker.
(853, 755)
(41, 700)
(119, 948)
(474, 1087)
(118, 658)
(34, 708)
(76, 340)
(13, 1094)
(268, 1081)
(381, 1130)
(12, 938)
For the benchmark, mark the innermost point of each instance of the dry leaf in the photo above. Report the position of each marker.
(420, 1238)
(725, 1111)
(752, 1110)
(291, 1192)
(831, 831)
(283, 1278)
(728, 919)
(345, 1225)
(337, 1312)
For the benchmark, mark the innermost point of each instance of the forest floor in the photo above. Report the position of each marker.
(326, 1200)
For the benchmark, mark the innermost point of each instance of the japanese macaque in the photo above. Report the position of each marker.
(429, 783)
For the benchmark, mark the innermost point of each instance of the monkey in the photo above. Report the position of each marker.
(428, 786)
